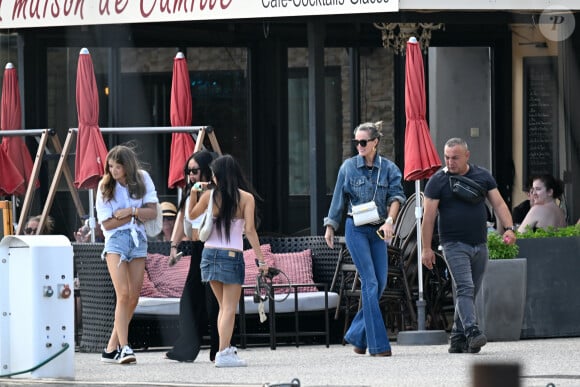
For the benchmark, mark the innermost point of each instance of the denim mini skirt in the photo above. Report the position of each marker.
(226, 266)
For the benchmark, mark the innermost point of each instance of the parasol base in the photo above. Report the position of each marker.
(422, 337)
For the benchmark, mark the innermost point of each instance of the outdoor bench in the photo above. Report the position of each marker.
(155, 322)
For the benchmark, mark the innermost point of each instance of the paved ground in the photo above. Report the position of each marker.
(541, 362)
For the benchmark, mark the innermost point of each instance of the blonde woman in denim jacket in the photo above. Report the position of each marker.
(359, 181)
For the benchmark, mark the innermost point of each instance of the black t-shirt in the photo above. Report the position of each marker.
(460, 221)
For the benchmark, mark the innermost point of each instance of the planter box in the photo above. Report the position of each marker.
(500, 301)
(552, 307)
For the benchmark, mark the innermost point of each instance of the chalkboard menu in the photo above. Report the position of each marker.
(540, 116)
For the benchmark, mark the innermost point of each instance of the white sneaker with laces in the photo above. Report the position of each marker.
(229, 358)
(127, 356)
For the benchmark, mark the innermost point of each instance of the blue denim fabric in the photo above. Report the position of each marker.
(369, 254)
(467, 265)
(226, 266)
(355, 186)
(121, 242)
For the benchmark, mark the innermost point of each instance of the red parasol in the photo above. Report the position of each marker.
(14, 147)
(421, 158)
(91, 153)
(11, 180)
(182, 144)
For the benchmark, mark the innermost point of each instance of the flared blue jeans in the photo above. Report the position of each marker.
(369, 254)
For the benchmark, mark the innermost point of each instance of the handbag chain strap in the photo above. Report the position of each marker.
(378, 177)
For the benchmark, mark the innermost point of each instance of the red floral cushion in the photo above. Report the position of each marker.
(251, 268)
(168, 281)
(298, 268)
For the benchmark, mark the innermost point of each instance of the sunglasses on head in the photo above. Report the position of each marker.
(191, 170)
(29, 230)
(362, 143)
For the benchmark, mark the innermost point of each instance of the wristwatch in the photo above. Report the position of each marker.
(389, 220)
(512, 228)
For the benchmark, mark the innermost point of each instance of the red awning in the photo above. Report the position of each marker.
(182, 144)
(15, 147)
(421, 158)
(91, 154)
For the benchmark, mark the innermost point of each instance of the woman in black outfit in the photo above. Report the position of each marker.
(198, 307)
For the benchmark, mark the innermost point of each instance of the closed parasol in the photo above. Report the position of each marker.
(182, 144)
(91, 154)
(421, 161)
(421, 158)
(10, 178)
(14, 147)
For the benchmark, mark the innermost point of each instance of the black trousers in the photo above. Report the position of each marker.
(198, 312)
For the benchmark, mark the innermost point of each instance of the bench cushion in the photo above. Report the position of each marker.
(168, 281)
(298, 267)
(313, 301)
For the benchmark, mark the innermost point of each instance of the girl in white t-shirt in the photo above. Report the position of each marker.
(126, 198)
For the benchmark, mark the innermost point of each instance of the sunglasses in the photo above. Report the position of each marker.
(29, 230)
(362, 143)
(195, 171)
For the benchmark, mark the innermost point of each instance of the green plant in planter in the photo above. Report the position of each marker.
(498, 249)
(551, 232)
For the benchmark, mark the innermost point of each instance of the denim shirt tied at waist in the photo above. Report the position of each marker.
(354, 186)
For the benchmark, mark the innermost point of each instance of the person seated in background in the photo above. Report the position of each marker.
(83, 234)
(545, 212)
(31, 227)
(520, 211)
(169, 214)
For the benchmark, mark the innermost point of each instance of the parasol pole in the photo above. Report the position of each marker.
(92, 222)
(418, 215)
(14, 217)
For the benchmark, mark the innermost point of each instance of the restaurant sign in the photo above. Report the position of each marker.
(49, 13)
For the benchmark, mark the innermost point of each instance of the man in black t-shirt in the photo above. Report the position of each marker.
(463, 236)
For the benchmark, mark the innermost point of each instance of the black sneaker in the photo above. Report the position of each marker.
(110, 357)
(458, 344)
(475, 339)
(126, 356)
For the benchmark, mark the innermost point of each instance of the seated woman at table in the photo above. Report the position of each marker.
(545, 212)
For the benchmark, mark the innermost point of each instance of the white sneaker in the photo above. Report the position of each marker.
(229, 358)
(126, 356)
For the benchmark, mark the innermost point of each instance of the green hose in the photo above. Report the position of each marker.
(64, 348)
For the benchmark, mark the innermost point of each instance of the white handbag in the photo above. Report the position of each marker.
(367, 213)
(207, 221)
(153, 227)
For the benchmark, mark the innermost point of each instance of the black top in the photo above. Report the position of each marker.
(460, 221)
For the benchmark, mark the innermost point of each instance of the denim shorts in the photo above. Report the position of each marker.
(226, 266)
(122, 243)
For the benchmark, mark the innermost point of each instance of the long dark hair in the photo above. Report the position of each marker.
(203, 158)
(230, 179)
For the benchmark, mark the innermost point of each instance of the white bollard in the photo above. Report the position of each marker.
(36, 306)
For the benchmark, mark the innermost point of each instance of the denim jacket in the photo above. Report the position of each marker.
(356, 185)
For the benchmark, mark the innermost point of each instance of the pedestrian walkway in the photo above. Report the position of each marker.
(541, 362)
